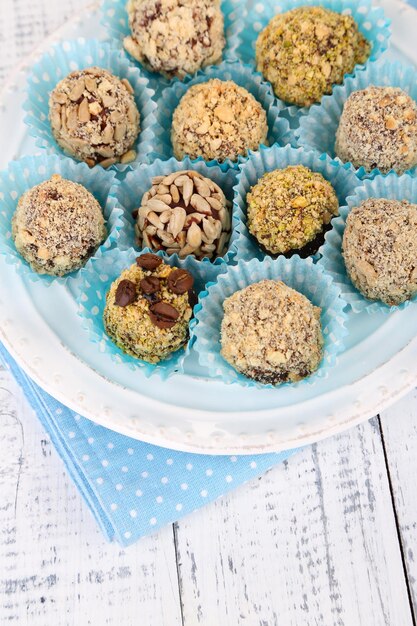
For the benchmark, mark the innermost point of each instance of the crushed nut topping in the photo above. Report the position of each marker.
(94, 117)
(378, 128)
(175, 37)
(218, 120)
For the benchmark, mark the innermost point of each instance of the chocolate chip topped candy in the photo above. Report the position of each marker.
(94, 117)
(125, 293)
(184, 213)
(148, 309)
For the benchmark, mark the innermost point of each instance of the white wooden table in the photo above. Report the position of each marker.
(328, 538)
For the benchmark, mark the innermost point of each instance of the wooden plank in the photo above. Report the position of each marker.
(56, 568)
(312, 542)
(399, 429)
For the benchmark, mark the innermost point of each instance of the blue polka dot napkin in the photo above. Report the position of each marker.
(131, 487)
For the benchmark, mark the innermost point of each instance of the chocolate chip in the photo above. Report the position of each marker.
(125, 293)
(135, 214)
(163, 315)
(152, 297)
(150, 284)
(192, 298)
(148, 261)
(180, 281)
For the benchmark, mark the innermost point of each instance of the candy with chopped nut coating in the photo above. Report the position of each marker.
(289, 208)
(218, 120)
(175, 37)
(57, 226)
(378, 129)
(380, 249)
(271, 333)
(305, 51)
(94, 117)
(184, 213)
(151, 323)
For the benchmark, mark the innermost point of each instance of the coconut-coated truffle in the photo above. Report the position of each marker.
(94, 117)
(380, 249)
(271, 333)
(289, 208)
(378, 128)
(217, 120)
(184, 213)
(148, 309)
(175, 37)
(305, 51)
(57, 226)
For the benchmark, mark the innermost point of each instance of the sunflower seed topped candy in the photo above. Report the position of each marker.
(184, 213)
(94, 117)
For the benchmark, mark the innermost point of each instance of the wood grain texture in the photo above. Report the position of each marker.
(399, 429)
(55, 566)
(313, 542)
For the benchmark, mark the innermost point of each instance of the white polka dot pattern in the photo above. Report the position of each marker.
(131, 487)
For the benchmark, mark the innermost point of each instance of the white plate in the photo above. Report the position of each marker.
(190, 412)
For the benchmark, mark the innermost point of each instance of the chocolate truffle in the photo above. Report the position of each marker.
(378, 128)
(175, 37)
(307, 50)
(271, 333)
(184, 213)
(289, 209)
(57, 226)
(94, 117)
(217, 120)
(380, 249)
(148, 309)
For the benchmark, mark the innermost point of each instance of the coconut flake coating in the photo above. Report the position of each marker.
(288, 208)
(94, 117)
(380, 249)
(57, 226)
(378, 128)
(307, 50)
(131, 327)
(217, 120)
(175, 37)
(271, 333)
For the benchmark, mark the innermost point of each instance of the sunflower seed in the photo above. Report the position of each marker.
(83, 111)
(174, 193)
(77, 91)
(194, 236)
(157, 205)
(200, 204)
(128, 157)
(177, 220)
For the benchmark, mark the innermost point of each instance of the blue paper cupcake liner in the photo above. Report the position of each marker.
(317, 130)
(342, 178)
(95, 280)
(243, 75)
(392, 187)
(67, 56)
(370, 20)
(29, 171)
(115, 20)
(139, 180)
(300, 274)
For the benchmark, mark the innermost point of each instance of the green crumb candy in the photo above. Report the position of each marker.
(307, 50)
(288, 208)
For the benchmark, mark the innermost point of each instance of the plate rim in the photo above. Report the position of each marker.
(165, 437)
